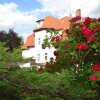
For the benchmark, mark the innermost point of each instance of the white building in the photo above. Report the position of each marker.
(33, 45)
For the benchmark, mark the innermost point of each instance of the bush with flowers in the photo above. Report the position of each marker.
(80, 53)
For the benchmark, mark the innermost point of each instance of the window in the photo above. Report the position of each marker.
(38, 41)
(46, 56)
(40, 23)
(38, 57)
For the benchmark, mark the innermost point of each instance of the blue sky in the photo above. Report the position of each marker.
(21, 15)
(24, 5)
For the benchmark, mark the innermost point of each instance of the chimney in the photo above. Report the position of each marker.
(78, 12)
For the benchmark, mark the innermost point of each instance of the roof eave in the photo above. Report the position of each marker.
(39, 29)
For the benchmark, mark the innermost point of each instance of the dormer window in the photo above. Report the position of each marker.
(40, 22)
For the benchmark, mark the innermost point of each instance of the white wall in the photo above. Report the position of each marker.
(37, 50)
(28, 53)
(26, 65)
(38, 47)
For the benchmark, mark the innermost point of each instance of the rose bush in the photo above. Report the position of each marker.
(80, 53)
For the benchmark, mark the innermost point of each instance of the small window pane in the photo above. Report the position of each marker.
(38, 57)
(38, 41)
(46, 57)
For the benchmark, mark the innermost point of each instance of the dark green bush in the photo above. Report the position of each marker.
(9, 92)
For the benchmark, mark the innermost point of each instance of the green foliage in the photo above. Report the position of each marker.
(11, 39)
(9, 92)
(4, 55)
(42, 86)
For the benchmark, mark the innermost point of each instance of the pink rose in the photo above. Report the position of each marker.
(57, 38)
(93, 77)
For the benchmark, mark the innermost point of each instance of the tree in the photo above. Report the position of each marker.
(11, 38)
(3, 36)
(8, 62)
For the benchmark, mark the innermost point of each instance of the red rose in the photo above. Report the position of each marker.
(82, 46)
(57, 38)
(88, 33)
(98, 19)
(53, 38)
(85, 46)
(83, 29)
(78, 17)
(51, 58)
(93, 77)
(75, 18)
(56, 53)
(96, 67)
(67, 31)
(87, 21)
(93, 39)
(96, 28)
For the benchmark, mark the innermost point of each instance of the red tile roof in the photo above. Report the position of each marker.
(30, 42)
(54, 23)
(48, 23)
(65, 22)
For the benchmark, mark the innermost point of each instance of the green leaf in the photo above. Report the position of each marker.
(70, 39)
(94, 46)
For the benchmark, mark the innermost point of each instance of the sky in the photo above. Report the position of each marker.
(21, 15)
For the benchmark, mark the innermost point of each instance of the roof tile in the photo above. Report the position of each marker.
(54, 23)
(30, 41)
(48, 23)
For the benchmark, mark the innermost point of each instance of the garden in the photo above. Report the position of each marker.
(74, 74)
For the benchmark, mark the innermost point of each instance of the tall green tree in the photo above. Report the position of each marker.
(11, 39)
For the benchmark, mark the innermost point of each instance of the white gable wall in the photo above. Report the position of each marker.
(28, 53)
(41, 53)
(37, 52)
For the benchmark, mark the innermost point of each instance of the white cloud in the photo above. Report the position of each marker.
(65, 7)
(55, 7)
(87, 6)
(23, 22)
(12, 17)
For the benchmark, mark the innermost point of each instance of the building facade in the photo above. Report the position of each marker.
(33, 45)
